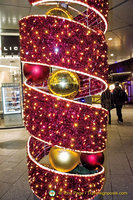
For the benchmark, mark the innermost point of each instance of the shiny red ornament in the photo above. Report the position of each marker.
(36, 73)
(91, 161)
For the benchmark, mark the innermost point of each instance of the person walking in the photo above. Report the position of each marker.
(107, 102)
(119, 98)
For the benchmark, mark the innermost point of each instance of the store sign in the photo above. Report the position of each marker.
(10, 45)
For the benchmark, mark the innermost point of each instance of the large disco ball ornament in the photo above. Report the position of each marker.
(63, 160)
(64, 83)
(91, 161)
(36, 73)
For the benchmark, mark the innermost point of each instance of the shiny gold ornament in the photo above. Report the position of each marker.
(63, 160)
(61, 12)
(64, 83)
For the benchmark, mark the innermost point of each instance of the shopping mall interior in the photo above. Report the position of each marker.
(118, 155)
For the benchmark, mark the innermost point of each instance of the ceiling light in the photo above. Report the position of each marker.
(110, 39)
(111, 54)
(7, 66)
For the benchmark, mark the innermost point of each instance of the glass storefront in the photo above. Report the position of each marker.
(10, 92)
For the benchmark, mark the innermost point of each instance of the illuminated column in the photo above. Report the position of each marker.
(78, 46)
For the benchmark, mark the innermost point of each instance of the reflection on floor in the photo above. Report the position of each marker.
(118, 161)
(11, 122)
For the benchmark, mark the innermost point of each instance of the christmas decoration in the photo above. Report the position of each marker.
(63, 83)
(76, 45)
(35, 73)
(43, 179)
(82, 170)
(73, 46)
(59, 12)
(91, 161)
(76, 126)
(63, 160)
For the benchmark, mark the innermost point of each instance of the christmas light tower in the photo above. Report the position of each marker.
(71, 133)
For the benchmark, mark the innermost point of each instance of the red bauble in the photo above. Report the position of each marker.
(36, 73)
(91, 161)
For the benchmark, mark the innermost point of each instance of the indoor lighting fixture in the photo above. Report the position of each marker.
(7, 66)
(111, 54)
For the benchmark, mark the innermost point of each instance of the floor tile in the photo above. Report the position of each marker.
(15, 194)
(11, 176)
(4, 187)
(124, 186)
(119, 163)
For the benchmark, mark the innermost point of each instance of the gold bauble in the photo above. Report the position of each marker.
(61, 12)
(64, 83)
(63, 160)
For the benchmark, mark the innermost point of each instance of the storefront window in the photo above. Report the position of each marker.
(10, 92)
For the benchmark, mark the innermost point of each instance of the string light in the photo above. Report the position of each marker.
(62, 122)
(51, 105)
(59, 59)
(50, 178)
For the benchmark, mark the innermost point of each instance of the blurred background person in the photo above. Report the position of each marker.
(119, 98)
(107, 102)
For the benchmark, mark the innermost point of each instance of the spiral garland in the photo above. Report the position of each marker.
(76, 48)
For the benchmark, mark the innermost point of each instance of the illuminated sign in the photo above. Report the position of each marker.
(10, 45)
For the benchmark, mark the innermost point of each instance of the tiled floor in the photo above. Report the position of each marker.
(118, 161)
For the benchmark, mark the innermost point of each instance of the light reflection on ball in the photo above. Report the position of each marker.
(63, 160)
(36, 73)
(57, 11)
(64, 83)
(91, 161)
